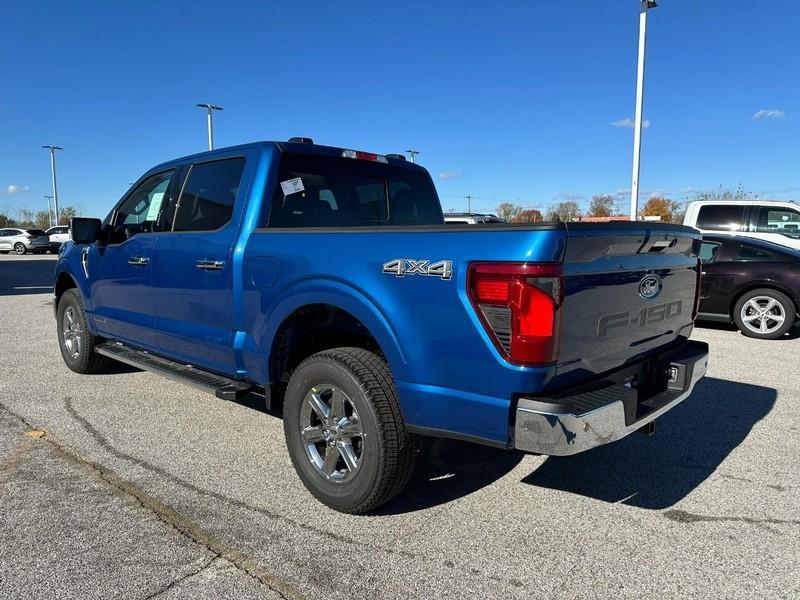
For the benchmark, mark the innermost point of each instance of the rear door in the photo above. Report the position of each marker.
(629, 290)
(120, 271)
(776, 224)
(193, 266)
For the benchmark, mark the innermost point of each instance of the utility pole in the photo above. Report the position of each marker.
(53, 172)
(210, 108)
(49, 214)
(637, 123)
(412, 154)
(469, 202)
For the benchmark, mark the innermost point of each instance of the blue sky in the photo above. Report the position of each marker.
(518, 101)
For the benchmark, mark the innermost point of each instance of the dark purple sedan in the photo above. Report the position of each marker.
(751, 282)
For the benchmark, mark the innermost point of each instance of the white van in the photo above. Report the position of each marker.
(776, 222)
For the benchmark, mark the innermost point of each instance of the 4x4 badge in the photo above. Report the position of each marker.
(401, 267)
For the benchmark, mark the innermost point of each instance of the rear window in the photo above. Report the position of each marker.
(326, 191)
(719, 217)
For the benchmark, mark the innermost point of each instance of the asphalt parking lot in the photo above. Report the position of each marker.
(128, 485)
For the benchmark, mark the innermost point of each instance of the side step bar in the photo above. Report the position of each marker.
(221, 387)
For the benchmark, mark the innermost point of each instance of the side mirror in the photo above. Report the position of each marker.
(84, 230)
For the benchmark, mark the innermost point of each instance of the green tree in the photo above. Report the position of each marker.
(6, 221)
(602, 205)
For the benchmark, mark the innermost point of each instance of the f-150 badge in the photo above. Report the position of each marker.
(401, 267)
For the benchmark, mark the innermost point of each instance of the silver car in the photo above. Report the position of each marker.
(22, 241)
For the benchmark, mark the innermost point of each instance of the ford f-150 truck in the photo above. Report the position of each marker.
(326, 279)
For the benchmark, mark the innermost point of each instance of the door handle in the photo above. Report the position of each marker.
(138, 261)
(210, 265)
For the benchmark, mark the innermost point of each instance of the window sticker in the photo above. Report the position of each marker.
(155, 206)
(292, 186)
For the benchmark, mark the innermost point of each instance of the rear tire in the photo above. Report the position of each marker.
(345, 432)
(76, 342)
(764, 313)
(20, 249)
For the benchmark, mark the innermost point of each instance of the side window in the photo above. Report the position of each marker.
(747, 252)
(141, 210)
(719, 217)
(778, 220)
(708, 252)
(208, 195)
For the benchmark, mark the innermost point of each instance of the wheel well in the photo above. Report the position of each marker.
(764, 286)
(311, 329)
(63, 283)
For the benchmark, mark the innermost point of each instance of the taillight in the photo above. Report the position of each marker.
(519, 305)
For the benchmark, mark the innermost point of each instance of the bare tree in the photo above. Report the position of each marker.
(529, 215)
(26, 218)
(602, 205)
(564, 211)
(67, 212)
(42, 219)
(508, 212)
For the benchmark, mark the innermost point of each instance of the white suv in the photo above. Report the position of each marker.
(776, 222)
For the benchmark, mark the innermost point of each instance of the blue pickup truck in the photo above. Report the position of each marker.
(326, 280)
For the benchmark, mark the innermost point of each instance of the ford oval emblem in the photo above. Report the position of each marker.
(650, 286)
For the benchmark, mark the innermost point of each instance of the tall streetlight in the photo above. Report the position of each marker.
(637, 122)
(53, 172)
(412, 154)
(210, 108)
(49, 212)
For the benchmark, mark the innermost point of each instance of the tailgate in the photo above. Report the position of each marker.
(629, 289)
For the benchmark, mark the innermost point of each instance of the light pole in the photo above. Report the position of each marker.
(210, 108)
(49, 213)
(412, 154)
(637, 122)
(469, 203)
(53, 172)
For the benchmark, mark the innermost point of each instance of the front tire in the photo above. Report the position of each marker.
(764, 313)
(345, 432)
(76, 342)
(20, 249)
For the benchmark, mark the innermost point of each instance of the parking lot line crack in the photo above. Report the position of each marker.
(182, 578)
(166, 514)
(103, 442)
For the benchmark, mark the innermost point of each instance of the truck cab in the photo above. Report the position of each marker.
(776, 222)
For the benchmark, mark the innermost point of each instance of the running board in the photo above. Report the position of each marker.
(221, 387)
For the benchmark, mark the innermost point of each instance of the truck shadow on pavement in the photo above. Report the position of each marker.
(690, 443)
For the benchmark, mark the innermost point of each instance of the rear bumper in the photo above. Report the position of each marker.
(610, 410)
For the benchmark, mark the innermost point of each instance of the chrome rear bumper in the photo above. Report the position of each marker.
(571, 424)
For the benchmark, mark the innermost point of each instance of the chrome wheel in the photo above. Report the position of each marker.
(72, 332)
(331, 432)
(20, 248)
(763, 314)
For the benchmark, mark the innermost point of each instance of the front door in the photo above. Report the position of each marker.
(120, 270)
(192, 268)
(776, 224)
